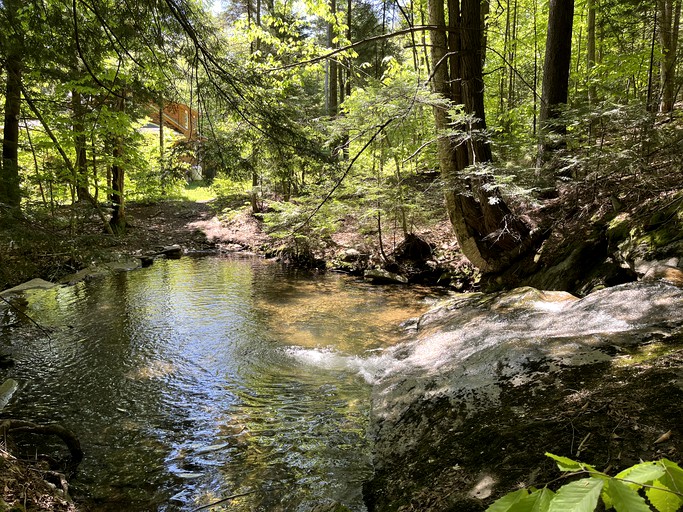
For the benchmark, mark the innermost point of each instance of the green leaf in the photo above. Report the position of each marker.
(662, 498)
(528, 503)
(625, 499)
(543, 499)
(6, 391)
(579, 496)
(674, 475)
(507, 502)
(643, 473)
(564, 463)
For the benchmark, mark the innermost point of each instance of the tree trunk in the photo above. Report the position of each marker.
(556, 66)
(512, 53)
(81, 172)
(118, 218)
(9, 180)
(162, 149)
(489, 235)
(332, 91)
(590, 52)
(669, 16)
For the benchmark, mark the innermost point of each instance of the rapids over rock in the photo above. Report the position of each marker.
(464, 412)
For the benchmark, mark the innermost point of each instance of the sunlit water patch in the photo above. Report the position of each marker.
(198, 379)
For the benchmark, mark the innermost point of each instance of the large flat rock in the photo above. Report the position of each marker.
(465, 411)
(33, 284)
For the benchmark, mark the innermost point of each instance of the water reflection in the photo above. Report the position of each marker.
(201, 378)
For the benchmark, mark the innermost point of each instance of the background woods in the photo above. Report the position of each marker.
(313, 111)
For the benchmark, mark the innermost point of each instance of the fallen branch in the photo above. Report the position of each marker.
(69, 438)
(204, 507)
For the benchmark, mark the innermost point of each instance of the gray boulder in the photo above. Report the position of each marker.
(464, 412)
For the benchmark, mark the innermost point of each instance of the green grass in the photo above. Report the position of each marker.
(198, 191)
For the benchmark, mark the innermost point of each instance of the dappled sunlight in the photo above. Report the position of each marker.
(200, 378)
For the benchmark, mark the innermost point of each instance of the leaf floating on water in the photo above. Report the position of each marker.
(6, 391)
(211, 448)
(664, 437)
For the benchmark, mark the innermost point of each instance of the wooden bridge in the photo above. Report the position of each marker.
(179, 118)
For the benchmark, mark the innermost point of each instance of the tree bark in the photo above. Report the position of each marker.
(10, 193)
(118, 218)
(555, 90)
(669, 18)
(489, 235)
(332, 91)
(81, 173)
(162, 148)
(590, 51)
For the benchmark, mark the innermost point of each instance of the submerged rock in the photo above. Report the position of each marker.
(380, 276)
(33, 284)
(465, 412)
(172, 252)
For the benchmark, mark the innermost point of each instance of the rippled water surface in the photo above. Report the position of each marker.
(198, 379)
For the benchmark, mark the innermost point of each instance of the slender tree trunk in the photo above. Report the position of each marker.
(650, 72)
(346, 85)
(162, 148)
(36, 167)
(504, 69)
(10, 193)
(590, 52)
(511, 58)
(535, 16)
(556, 66)
(81, 164)
(484, 8)
(118, 218)
(332, 92)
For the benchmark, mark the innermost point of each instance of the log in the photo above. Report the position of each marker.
(69, 438)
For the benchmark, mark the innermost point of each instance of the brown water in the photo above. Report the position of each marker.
(198, 379)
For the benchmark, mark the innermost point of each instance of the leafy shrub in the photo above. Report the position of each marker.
(661, 482)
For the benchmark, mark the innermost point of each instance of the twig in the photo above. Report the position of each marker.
(203, 507)
(346, 172)
(45, 331)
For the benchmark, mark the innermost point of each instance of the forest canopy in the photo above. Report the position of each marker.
(312, 110)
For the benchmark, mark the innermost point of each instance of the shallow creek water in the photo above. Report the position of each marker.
(198, 379)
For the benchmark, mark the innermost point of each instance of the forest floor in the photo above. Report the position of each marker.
(53, 247)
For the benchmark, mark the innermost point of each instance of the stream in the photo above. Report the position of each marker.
(202, 378)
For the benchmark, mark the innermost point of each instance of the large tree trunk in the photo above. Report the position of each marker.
(489, 235)
(555, 91)
(9, 179)
(669, 19)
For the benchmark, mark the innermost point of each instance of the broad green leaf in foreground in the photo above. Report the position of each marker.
(662, 498)
(625, 499)
(507, 502)
(579, 496)
(674, 475)
(643, 473)
(543, 499)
